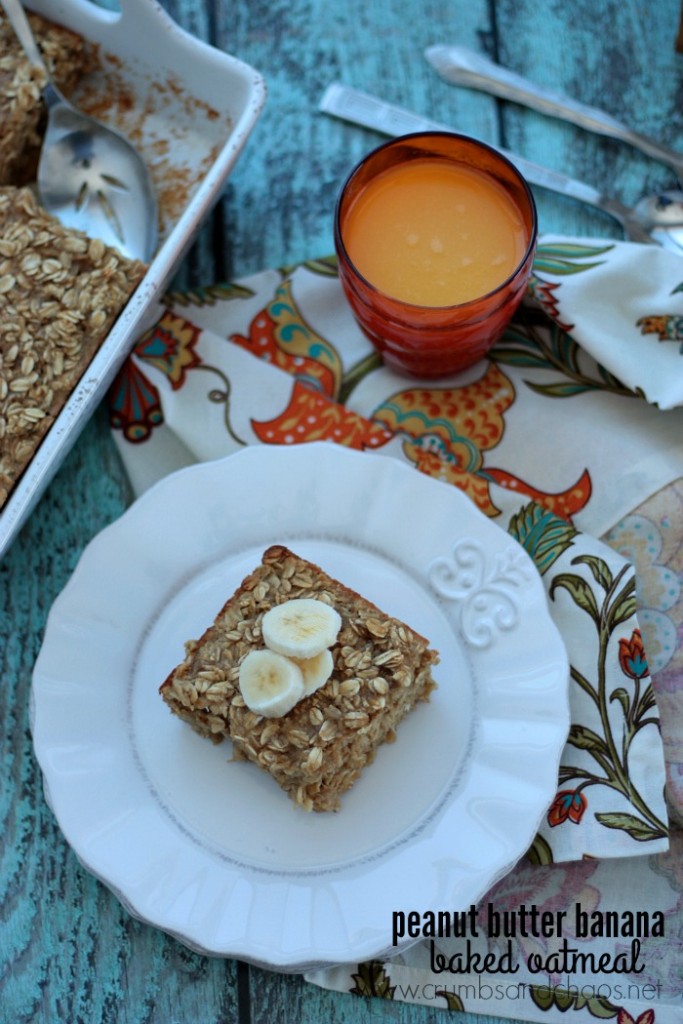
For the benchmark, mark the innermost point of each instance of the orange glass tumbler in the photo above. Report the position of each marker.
(435, 235)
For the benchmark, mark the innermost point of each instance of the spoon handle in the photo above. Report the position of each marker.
(461, 66)
(370, 112)
(19, 22)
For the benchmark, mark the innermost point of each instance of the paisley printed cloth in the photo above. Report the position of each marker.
(573, 420)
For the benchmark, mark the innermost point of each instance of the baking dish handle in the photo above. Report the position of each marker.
(145, 18)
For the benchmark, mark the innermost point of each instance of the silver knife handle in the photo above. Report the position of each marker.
(370, 112)
(461, 66)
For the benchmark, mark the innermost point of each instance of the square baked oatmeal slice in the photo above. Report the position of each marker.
(317, 749)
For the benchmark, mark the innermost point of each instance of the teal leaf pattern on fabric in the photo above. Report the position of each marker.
(559, 258)
(556, 266)
(529, 342)
(544, 535)
(559, 389)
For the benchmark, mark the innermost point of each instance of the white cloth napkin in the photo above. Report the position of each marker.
(623, 304)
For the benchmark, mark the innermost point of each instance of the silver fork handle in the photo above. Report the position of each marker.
(19, 22)
(461, 66)
(370, 112)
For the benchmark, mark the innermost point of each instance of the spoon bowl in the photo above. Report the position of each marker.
(661, 210)
(89, 176)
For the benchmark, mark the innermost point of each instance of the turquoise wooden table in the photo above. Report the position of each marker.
(69, 953)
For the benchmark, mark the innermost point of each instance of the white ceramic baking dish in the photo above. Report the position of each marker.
(189, 109)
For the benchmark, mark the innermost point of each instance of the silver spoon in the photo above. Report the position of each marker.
(371, 112)
(461, 66)
(89, 176)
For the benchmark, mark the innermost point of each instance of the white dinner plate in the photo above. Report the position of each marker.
(211, 850)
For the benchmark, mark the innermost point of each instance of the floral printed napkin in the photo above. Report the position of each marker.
(560, 435)
(628, 314)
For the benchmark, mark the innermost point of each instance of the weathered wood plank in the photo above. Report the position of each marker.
(617, 56)
(280, 200)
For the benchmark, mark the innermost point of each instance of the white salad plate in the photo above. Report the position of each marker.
(211, 850)
(189, 108)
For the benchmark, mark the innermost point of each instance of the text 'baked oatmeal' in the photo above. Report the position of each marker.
(304, 676)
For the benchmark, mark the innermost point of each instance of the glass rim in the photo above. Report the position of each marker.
(413, 137)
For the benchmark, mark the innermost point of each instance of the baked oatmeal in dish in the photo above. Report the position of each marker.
(60, 293)
(316, 737)
(22, 113)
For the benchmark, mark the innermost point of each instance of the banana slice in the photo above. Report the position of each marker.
(270, 683)
(300, 628)
(316, 671)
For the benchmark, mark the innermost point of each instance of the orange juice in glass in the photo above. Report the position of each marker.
(435, 235)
